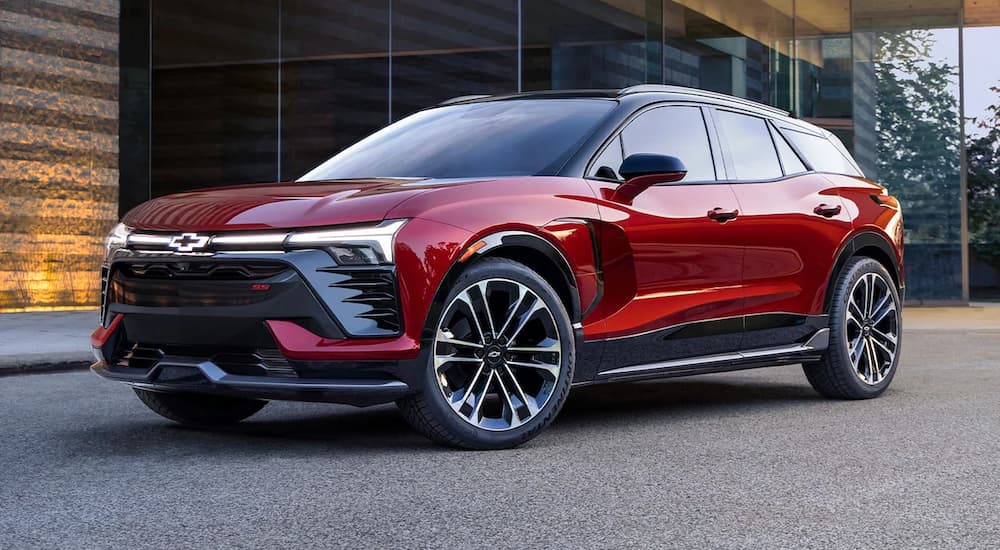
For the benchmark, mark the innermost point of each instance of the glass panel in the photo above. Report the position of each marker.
(215, 86)
(748, 143)
(790, 161)
(442, 49)
(591, 43)
(609, 160)
(908, 134)
(821, 153)
(334, 78)
(823, 62)
(495, 138)
(982, 134)
(675, 131)
(738, 47)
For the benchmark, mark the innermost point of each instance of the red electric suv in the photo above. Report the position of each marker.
(476, 260)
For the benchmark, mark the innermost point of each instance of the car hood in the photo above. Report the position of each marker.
(277, 205)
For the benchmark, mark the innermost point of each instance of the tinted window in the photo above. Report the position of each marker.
(821, 153)
(750, 146)
(789, 160)
(675, 131)
(497, 138)
(611, 158)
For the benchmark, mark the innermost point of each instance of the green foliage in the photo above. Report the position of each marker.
(983, 162)
(918, 131)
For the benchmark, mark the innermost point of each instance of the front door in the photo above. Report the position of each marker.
(672, 270)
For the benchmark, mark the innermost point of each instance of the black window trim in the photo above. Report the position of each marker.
(715, 148)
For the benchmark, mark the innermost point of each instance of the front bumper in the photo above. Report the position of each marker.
(289, 326)
(201, 375)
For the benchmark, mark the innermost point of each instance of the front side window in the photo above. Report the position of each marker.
(749, 146)
(522, 137)
(676, 131)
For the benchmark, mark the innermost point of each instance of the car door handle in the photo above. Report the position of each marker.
(827, 211)
(722, 216)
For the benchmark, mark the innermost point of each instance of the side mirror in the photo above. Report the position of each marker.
(644, 170)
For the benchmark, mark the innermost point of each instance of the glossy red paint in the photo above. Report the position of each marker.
(101, 334)
(298, 343)
(789, 248)
(661, 259)
(673, 263)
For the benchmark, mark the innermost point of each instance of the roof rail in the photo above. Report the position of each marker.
(462, 98)
(641, 88)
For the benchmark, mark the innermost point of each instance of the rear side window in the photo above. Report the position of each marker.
(821, 153)
(677, 131)
(749, 146)
(789, 160)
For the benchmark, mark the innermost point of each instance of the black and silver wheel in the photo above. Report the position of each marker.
(193, 409)
(501, 360)
(865, 333)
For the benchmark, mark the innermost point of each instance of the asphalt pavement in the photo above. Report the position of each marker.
(752, 459)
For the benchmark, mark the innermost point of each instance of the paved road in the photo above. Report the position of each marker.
(752, 459)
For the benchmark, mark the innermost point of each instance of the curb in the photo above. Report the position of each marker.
(41, 363)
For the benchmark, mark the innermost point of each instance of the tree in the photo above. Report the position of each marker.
(918, 133)
(983, 180)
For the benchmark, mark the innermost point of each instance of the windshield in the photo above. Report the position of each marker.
(521, 137)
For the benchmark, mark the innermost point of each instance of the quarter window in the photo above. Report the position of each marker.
(676, 131)
(789, 160)
(610, 160)
(750, 146)
(821, 153)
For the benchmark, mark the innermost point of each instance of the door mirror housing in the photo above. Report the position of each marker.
(644, 170)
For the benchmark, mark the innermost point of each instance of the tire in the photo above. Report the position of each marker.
(202, 410)
(502, 393)
(846, 374)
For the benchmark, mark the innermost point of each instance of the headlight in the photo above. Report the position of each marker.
(117, 238)
(352, 245)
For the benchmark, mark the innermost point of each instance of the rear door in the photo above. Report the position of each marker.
(672, 267)
(792, 222)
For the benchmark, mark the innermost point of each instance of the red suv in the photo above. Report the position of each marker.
(476, 260)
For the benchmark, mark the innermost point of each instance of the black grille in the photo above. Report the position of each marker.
(212, 271)
(374, 291)
(157, 292)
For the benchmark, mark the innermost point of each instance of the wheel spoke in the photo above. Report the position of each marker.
(870, 301)
(888, 338)
(463, 398)
(515, 416)
(523, 321)
(888, 352)
(447, 338)
(555, 347)
(481, 288)
(873, 362)
(513, 311)
(521, 395)
(884, 309)
(553, 370)
(856, 350)
(466, 298)
(482, 397)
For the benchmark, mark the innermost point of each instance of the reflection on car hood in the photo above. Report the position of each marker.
(280, 205)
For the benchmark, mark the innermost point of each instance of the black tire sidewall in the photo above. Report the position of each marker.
(469, 435)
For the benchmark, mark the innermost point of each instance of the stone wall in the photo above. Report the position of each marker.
(58, 149)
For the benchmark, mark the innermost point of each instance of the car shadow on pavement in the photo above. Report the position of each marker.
(311, 428)
(679, 399)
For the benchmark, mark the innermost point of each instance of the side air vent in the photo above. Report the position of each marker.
(369, 297)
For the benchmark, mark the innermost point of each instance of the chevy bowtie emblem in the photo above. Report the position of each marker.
(187, 242)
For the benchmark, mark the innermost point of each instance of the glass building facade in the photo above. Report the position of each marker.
(238, 91)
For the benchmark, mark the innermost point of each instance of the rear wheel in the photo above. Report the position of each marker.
(194, 409)
(501, 363)
(865, 333)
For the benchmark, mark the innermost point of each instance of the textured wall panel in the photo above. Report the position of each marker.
(58, 149)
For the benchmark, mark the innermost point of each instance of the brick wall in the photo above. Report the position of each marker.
(58, 149)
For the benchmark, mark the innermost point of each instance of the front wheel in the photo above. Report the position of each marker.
(501, 362)
(865, 334)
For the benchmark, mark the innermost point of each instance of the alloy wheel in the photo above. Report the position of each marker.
(497, 354)
(872, 328)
